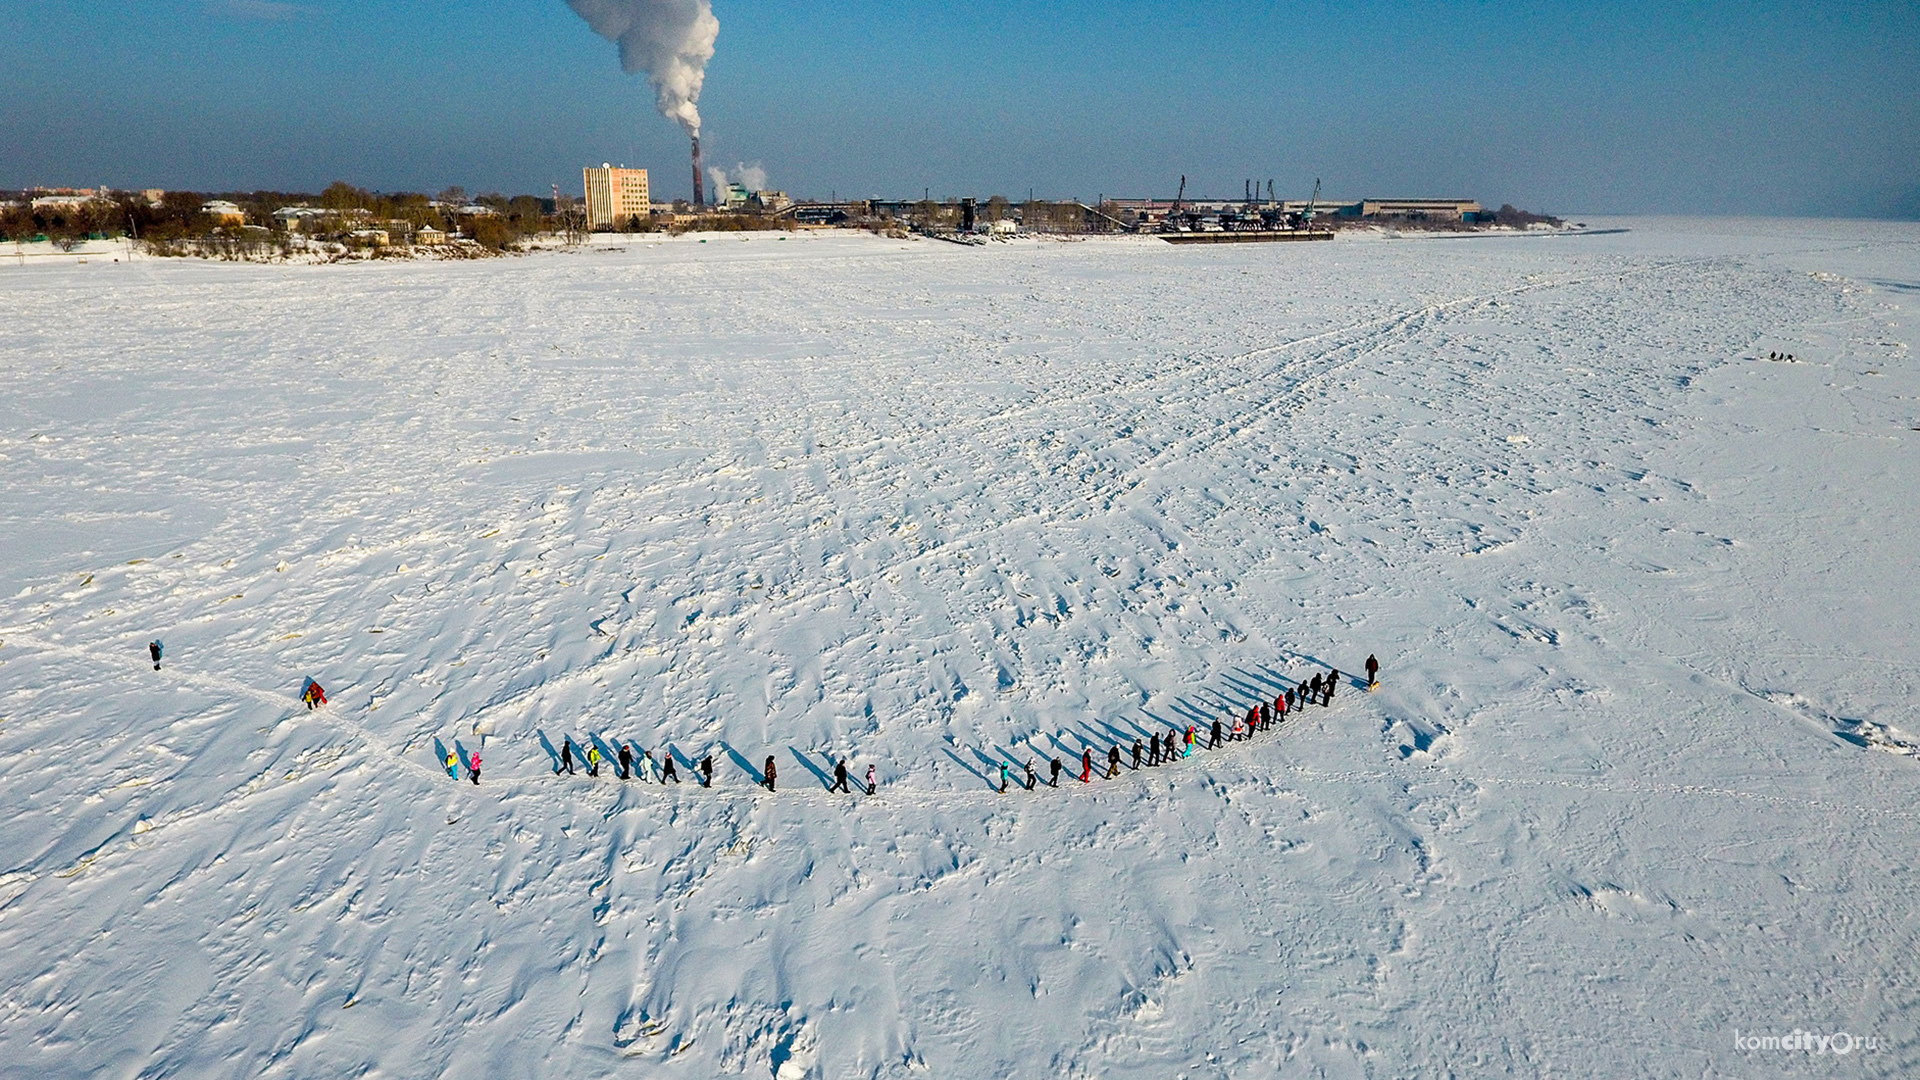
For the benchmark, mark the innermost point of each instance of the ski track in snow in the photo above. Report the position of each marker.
(1641, 773)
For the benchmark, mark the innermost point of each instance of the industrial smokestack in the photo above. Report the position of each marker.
(699, 184)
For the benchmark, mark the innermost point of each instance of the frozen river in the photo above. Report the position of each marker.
(1641, 782)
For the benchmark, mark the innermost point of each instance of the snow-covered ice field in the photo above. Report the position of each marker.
(1641, 782)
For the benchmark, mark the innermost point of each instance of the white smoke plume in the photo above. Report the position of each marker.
(670, 40)
(752, 177)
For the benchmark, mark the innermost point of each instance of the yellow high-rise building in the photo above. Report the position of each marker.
(614, 195)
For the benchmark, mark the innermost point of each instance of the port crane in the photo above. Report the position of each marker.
(1305, 220)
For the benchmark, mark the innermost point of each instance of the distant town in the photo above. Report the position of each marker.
(344, 221)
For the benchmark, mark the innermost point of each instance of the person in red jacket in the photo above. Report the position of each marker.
(313, 695)
(1086, 765)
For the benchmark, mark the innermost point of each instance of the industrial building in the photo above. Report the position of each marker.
(1421, 209)
(615, 195)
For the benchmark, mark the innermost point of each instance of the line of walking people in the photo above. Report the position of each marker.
(644, 767)
(629, 765)
(1158, 750)
(1177, 744)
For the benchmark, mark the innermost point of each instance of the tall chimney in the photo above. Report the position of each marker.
(699, 183)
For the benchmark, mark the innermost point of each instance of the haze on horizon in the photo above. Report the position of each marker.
(1715, 108)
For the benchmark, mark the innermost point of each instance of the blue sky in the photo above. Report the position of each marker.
(1758, 108)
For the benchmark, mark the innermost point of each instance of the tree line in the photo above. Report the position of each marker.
(180, 215)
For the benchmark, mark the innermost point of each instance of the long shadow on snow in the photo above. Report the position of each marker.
(803, 759)
(1262, 674)
(957, 760)
(686, 761)
(553, 756)
(1247, 689)
(744, 765)
(440, 757)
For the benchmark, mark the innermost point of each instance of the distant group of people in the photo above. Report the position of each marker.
(473, 766)
(640, 766)
(1178, 744)
(643, 766)
(1158, 750)
(1787, 356)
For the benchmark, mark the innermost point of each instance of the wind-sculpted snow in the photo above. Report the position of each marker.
(1639, 782)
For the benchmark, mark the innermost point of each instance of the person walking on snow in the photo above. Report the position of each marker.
(840, 777)
(1055, 781)
(670, 774)
(1216, 735)
(706, 771)
(1280, 707)
(313, 695)
(1136, 755)
(1333, 680)
(593, 760)
(1190, 742)
(566, 756)
(1086, 765)
(872, 782)
(1031, 779)
(473, 764)
(1373, 672)
(626, 761)
(453, 765)
(769, 772)
(1113, 762)
(1313, 696)
(649, 768)
(1003, 778)
(1266, 716)
(154, 648)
